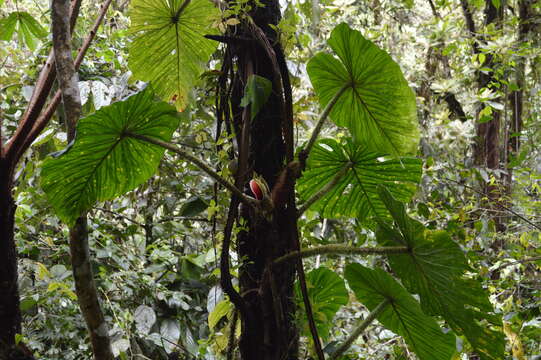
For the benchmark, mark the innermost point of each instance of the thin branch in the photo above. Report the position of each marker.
(360, 329)
(328, 187)
(44, 83)
(200, 164)
(341, 250)
(119, 215)
(306, 151)
(516, 262)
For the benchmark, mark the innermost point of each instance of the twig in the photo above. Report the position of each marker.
(522, 261)
(120, 216)
(200, 164)
(328, 187)
(306, 151)
(341, 250)
(360, 329)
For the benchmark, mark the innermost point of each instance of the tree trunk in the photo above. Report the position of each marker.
(86, 291)
(268, 326)
(516, 97)
(10, 314)
(80, 254)
(487, 145)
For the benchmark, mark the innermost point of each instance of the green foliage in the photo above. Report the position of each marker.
(403, 315)
(104, 162)
(434, 269)
(327, 293)
(169, 49)
(378, 107)
(28, 28)
(355, 195)
(256, 94)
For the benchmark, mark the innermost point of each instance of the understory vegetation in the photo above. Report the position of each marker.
(315, 179)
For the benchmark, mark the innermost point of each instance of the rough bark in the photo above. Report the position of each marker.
(80, 255)
(10, 315)
(87, 294)
(266, 296)
(516, 98)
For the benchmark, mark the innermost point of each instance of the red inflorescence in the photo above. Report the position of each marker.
(256, 190)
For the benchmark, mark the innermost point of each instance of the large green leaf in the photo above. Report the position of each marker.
(434, 269)
(29, 29)
(378, 106)
(355, 195)
(103, 162)
(403, 315)
(327, 293)
(169, 48)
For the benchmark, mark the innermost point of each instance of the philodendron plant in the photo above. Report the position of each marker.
(429, 299)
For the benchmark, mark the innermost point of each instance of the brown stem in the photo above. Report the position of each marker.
(200, 164)
(15, 146)
(360, 329)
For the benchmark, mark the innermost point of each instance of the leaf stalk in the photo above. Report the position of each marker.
(325, 189)
(200, 164)
(322, 117)
(360, 329)
(341, 250)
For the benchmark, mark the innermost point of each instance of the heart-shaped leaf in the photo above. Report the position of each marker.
(378, 106)
(355, 194)
(169, 49)
(103, 161)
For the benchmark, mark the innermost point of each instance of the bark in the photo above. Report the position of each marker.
(80, 255)
(266, 300)
(10, 315)
(516, 97)
(87, 293)
(487, 145)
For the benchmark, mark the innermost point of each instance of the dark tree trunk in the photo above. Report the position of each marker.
(487, 145)
(516, 97)
(10, 315)
(268, 326)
